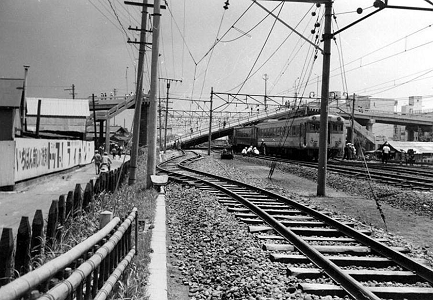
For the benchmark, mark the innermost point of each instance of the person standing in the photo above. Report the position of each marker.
(385, 153)
(106, 161)
(346, 152)
(97, 158)
(263, 147)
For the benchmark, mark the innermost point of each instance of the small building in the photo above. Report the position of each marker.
(58, 115)
(423, 150)
(11, 111)
(120, 135)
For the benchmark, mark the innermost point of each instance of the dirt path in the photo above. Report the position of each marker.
(39, 193)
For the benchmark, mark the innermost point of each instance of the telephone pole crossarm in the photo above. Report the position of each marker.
(141, 4)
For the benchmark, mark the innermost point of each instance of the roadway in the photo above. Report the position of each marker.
(38, 193)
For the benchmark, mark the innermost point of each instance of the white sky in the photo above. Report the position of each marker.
(81, 42)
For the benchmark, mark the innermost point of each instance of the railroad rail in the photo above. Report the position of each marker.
(346, 259)
(398, 176)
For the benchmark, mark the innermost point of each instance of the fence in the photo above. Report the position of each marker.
(82, 271)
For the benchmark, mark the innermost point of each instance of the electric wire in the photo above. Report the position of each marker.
(341, 59)
(182, 36)
(261, 50)
(210, 57)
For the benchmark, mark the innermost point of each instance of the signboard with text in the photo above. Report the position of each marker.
(38, 157)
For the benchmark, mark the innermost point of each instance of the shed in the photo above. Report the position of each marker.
(11, 90)
(59, 115)
(418, 147)
(423, 150)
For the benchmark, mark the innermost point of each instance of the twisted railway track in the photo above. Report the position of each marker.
(337, 257)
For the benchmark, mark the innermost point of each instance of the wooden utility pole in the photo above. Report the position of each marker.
(23, 106)
(73, 91)
(138, 96)
(152, 125)
(323, 138)
(166, 110)
(94, 122)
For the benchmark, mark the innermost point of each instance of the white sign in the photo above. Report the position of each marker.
(38, 157)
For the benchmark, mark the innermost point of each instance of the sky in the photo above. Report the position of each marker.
(84, 43)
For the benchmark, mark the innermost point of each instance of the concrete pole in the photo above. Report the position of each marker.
(138, 96)
(107, 134)
(265, 77)
(166, 118)
(352, 137)
(323, 139)
(160, 122)
(210, 122)
(151, 157)
(94, 122)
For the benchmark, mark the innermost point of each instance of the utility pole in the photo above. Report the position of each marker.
(352, 121)
(265, 77)
(160, 122)
(323, 138)
(138, 95)
(126, 79)
(94, 122)
(210, 122)
(152, 125)
(166, 109)
(73, 91)
(23, 105)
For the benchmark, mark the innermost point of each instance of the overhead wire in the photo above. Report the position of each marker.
(341, 58)
(210, 57)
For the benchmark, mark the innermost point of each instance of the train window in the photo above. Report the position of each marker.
(337, 127)
(314, 127)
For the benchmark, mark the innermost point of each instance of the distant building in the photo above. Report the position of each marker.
(365, 103)
(377, 104)
(414, 106)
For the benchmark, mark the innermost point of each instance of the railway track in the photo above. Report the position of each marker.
(330, 257)
(398, 176)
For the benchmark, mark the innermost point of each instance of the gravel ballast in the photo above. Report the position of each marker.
(215, 257)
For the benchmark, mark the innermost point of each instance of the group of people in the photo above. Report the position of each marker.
(349, 151)
(116, 150)
(102, 162)
(248, 151)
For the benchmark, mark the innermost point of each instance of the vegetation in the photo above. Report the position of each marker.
(121, 202)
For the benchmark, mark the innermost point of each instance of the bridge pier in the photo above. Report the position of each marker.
(369, 125)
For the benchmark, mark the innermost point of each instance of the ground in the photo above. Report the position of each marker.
(414, 231)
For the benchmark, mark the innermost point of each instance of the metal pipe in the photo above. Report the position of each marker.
(29, 281)
(102, 255)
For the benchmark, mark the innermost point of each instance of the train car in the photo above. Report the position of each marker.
(299, 137)
(244, 137)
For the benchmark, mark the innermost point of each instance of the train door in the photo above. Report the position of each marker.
(303, 134)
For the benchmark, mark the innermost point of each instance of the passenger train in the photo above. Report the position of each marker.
(295, 137)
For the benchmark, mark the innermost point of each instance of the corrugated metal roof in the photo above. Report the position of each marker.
(418, 147)
(58, 107)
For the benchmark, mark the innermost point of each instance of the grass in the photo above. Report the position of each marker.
(133, 283)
